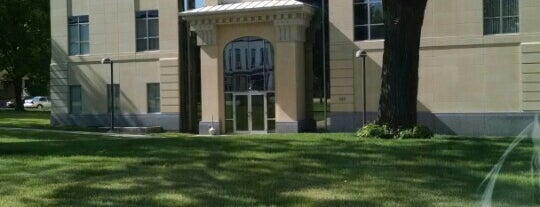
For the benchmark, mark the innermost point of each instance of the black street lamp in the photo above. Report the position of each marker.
(325, 93)
(109, 61)
(363, 54)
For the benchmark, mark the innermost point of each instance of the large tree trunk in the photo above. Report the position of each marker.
(183, 69)
(189, 73)
(399, 89)
(17, 87)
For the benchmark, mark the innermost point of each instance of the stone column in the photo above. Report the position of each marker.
(59, 89)
(290, 74)
(213, 109)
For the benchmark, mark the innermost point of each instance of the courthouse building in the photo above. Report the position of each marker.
(479, 64)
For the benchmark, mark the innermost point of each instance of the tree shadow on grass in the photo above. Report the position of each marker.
(266, 171)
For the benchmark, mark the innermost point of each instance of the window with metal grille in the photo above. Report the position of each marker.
(501, 16)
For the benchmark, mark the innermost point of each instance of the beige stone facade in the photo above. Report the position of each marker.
(470, 83)
(112, 28)
(468, 80)
(113, 34)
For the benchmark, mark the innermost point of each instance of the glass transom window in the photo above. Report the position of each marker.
(249, 65)
(368, 20)
(501, 16)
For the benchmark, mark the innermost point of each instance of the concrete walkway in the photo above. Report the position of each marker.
(132, 136)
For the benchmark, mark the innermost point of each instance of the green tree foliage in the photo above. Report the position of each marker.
(25, 43)
(399, 89)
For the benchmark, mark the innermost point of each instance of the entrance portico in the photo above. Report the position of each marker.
(252, 65)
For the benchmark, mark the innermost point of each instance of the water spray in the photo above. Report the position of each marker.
(531, 131)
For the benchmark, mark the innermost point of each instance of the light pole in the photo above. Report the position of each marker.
(111, 90)
(325, 95)
(363, 54)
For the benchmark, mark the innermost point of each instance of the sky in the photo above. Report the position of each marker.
(199, 3)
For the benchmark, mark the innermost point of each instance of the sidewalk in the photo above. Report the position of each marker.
(132, 136)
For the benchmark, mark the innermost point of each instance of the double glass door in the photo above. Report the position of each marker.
(253, 112)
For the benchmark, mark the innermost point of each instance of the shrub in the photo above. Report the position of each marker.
(374, 131)
(420, 132)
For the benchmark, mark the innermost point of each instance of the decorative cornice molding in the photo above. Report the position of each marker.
(290, 24)
(292, 27)
(206, 34)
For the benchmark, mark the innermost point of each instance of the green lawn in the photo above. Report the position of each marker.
(46, 169)
(34, 119)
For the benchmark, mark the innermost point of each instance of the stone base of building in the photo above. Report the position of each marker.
(463, 124)
(349, 121)
(292, 127)
(169, 121)
(205, 126)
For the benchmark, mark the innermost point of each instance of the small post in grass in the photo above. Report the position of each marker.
(212, 131)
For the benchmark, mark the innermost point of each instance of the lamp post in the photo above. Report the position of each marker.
(325, 93)
(363, 54)
(109, 61)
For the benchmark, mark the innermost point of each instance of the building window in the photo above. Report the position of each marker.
(147, 30)
(253, 57)
(75, 100)
(262, 56)
(252, 77)
(238, 58)
(501, 16)
(153, 96)
(230, 59)
(246, 58)
(78, 33)
(116, 98)
(368, 20)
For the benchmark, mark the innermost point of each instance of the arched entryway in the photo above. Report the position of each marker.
(257, 83)
(249, 86)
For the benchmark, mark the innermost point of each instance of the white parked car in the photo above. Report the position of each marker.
(10, 104)
(38, 102)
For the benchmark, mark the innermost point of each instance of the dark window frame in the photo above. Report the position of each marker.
(71, 98)
(146, 15)
(156, 99)
(502, 28)
(78, 21)
(368, 25)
